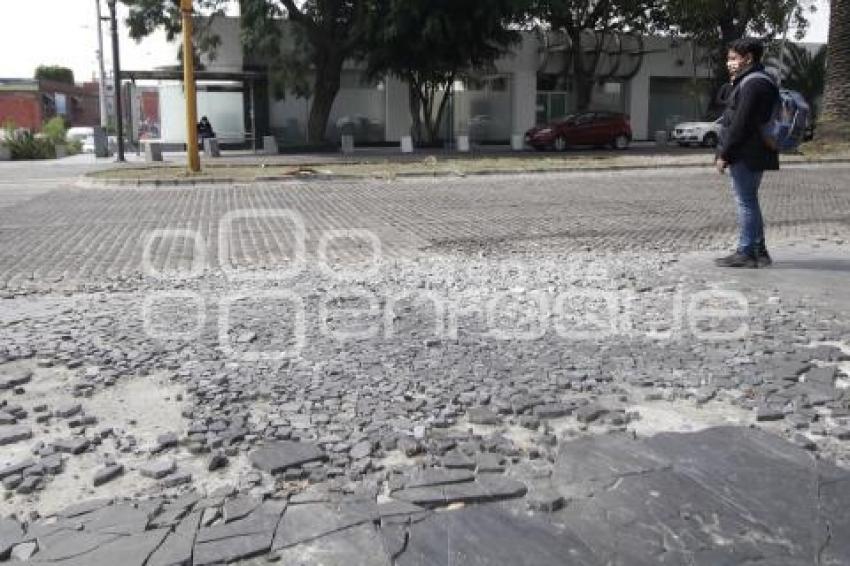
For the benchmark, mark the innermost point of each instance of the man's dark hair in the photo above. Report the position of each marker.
(748, 46)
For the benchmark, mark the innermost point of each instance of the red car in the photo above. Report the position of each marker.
(598, 128)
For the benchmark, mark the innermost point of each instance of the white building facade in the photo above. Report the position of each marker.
(662, 83)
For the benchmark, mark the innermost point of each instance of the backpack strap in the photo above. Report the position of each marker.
(757, 75)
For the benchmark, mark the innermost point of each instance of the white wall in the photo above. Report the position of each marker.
(223, 109)
(290, 115)
(228, 57)
(662, 60)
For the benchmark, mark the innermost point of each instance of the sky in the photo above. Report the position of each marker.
(64, 32)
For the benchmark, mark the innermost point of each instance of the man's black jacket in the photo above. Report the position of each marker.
(748, 109)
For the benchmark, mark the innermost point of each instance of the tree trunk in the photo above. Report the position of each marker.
(581, 74)
(325, 89)
(835, 117)
(415, 110)
(584, 91)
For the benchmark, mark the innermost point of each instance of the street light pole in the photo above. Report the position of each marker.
(193, 160)
(104, 118)
(116, 71)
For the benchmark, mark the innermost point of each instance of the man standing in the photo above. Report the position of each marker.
(742, 148)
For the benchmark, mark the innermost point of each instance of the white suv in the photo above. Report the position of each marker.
(706, 134)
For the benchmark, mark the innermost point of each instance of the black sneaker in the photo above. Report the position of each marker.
(763, 258)
(737, 259)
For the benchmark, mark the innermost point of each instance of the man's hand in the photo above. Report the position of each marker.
(721, 165)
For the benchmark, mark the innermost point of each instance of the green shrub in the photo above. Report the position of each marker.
(74, 147)
(24, 145)
(55, 130)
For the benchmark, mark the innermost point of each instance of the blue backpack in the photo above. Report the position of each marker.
(785, 130)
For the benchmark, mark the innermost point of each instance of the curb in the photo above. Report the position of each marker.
(95, 182)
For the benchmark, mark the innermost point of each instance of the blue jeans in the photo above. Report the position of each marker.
(745, 186)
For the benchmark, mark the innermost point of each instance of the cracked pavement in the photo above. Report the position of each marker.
(536, 370)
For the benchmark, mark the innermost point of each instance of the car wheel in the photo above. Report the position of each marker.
(710, 140)
(621, 142)
(560, 143)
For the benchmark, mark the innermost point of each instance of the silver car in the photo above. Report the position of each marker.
(706, 134)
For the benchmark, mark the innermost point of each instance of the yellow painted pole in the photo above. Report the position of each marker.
(194, 161)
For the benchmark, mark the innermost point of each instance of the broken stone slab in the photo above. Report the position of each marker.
(11, 533)
(339, 548)
(399, 508)
(217, 461)
(760, 475)
(394, 539)
(67, 410)
(158, 469)
(107, 474)
(492, 536)
(825, 375)
(23, 551)
(83, 508)
(121, 518)
(489, 463)
(435, 477)
(310, 521)
(173, 512)
(231, 549)
(15, 378)
(590, 461)
(65, 545)
(29, 485)
(132, 550)
(589, 413)
(263, 519)
(483, 416)
(16, 468)
(280, 456)
(487, 488)
(769, 413)
(71, 445)
(176, 478)
(547, 500)
(239, 507)
(166, 441)
(243, 538)
(11, 483)
(10, 434)
(361, 450)
(553, 410)
(457, 460)
(177, 548)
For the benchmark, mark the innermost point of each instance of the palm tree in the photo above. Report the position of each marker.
(835, 118)
(805, 72)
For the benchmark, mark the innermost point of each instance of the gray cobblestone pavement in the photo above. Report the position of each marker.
(492, 392)
(81, 234)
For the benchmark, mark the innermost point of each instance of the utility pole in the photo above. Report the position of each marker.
(104, 117)
(116, 70)
(193, 160)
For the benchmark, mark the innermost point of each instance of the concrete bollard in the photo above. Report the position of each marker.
(347, 143)
(211, 148)
(269, 145)
(660, 138)
(517, 142)
(153, 151)
(5, 153)
(463, 144)
(406, 144)
(101, 142)
(61, 151)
